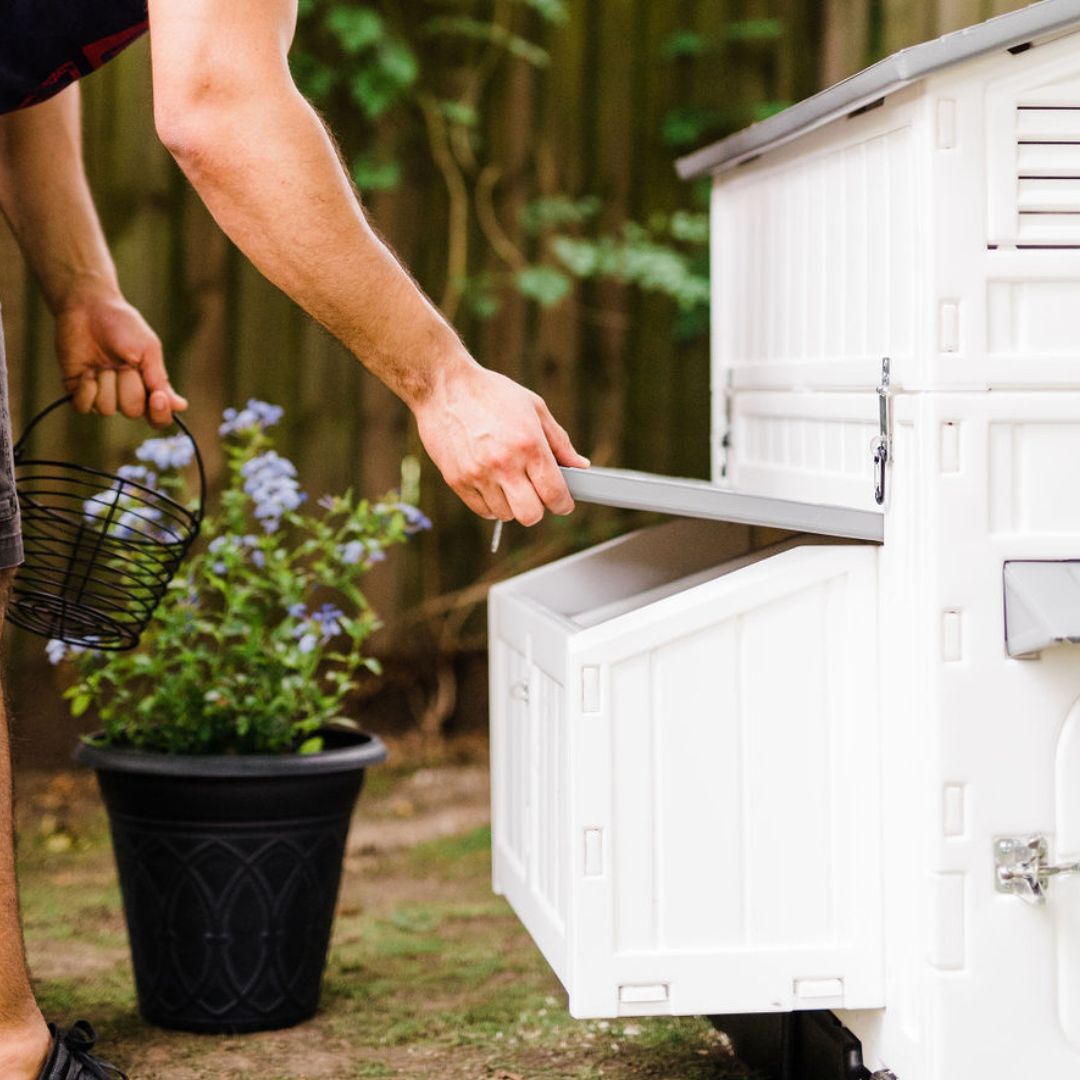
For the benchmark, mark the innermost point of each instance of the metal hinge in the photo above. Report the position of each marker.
(726, 438)
(1022, 867)
(883, 442)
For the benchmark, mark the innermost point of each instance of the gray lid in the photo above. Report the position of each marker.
(885, 77)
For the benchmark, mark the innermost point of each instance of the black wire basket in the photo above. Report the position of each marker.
(100, 548)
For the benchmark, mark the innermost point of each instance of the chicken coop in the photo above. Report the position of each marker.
(827, 791)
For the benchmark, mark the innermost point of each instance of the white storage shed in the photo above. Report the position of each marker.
(839, 774)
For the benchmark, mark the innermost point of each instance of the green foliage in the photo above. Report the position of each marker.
(754, 30)
(558, 212)
(544, 284)
(371, 174)
(688, 125)
(685, 43)
(237, 658)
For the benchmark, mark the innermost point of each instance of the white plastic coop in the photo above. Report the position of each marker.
(839, 774)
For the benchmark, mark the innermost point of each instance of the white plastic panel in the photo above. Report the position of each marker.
(812, 447)
(721, 758)
(814, 261)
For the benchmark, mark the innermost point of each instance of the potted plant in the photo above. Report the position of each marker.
(225, 759)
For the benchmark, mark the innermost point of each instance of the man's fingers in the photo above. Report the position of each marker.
(550, 486)
(476, 502)
(496, 502)
(524, 504)
(105, 402)
(559, 440)
(85, 392)
(130, 393)
(152, 368)
(160, 408)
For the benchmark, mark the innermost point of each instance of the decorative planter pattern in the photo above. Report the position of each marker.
(229, 868)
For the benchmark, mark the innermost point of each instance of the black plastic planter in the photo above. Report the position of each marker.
(229, 868)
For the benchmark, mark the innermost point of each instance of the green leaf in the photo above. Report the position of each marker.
(315, 79)
(399, 63)
(544, 284)
(552, 11)
(690, 228)
(754, 30)
(689, 124)
(682, 43)
(314, 745)
(580, 257)
(370, 174)
(459, 112)
(79, 704)
(557, 212)
(356, 28)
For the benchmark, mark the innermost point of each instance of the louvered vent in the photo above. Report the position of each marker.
(1048, 174)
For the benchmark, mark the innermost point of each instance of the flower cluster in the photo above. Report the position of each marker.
(255, 416)
(258, 643)
(173, 452)
(271, 482)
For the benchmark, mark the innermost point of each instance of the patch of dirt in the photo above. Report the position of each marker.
(429, 976)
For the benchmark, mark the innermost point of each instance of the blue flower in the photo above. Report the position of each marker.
(58, 650)
(298, 611)
(352, 552)
(217, 544)
(270, 465)
(307, 643)
(258, 559)
(415, 520)
(255, 415)
(173, 452)
(139, 473)
(356, 550)
(327, 619)
(219, 568)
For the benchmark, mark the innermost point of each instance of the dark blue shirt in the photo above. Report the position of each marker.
(46, 45)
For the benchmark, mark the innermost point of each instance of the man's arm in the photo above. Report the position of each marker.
(108, 355)
(226, 107)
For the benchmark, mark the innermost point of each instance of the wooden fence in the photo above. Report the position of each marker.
(588, 123)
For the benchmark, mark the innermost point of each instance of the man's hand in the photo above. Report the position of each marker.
(497, 445)
(110, 358)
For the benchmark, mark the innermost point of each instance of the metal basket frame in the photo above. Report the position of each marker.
(83, 581)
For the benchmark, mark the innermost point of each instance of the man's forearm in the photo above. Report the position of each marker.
(269, 173)
(46, 199)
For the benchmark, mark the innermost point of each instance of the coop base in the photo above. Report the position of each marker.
(811, 1045)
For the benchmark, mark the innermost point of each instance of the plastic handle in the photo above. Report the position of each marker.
(20, 445)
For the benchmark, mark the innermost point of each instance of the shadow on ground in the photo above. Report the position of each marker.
(430, 975)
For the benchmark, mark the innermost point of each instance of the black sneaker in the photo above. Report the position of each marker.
(70, 1057)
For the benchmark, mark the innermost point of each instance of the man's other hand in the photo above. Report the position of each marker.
(110, 359)
(497, 445)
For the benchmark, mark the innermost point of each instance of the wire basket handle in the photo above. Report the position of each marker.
(20, 446)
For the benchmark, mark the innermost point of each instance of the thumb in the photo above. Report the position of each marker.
(559, 440)
(156, 379)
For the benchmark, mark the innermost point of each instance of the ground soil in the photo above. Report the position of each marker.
(430, 975)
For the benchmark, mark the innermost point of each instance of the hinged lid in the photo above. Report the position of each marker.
(700, 499)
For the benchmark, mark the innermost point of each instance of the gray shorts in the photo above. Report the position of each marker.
(11, 542)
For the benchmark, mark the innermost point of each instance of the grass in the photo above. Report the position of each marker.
(429, 975)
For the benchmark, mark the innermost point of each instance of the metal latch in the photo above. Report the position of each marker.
(883, 443)
(1022, 867)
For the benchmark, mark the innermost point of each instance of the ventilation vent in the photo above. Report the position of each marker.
(1048, 175)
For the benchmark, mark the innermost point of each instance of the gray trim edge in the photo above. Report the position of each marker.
(700, 499)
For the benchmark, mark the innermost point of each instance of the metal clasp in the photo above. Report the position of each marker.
(883, 443)
(519, 691)
(1022, 867)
